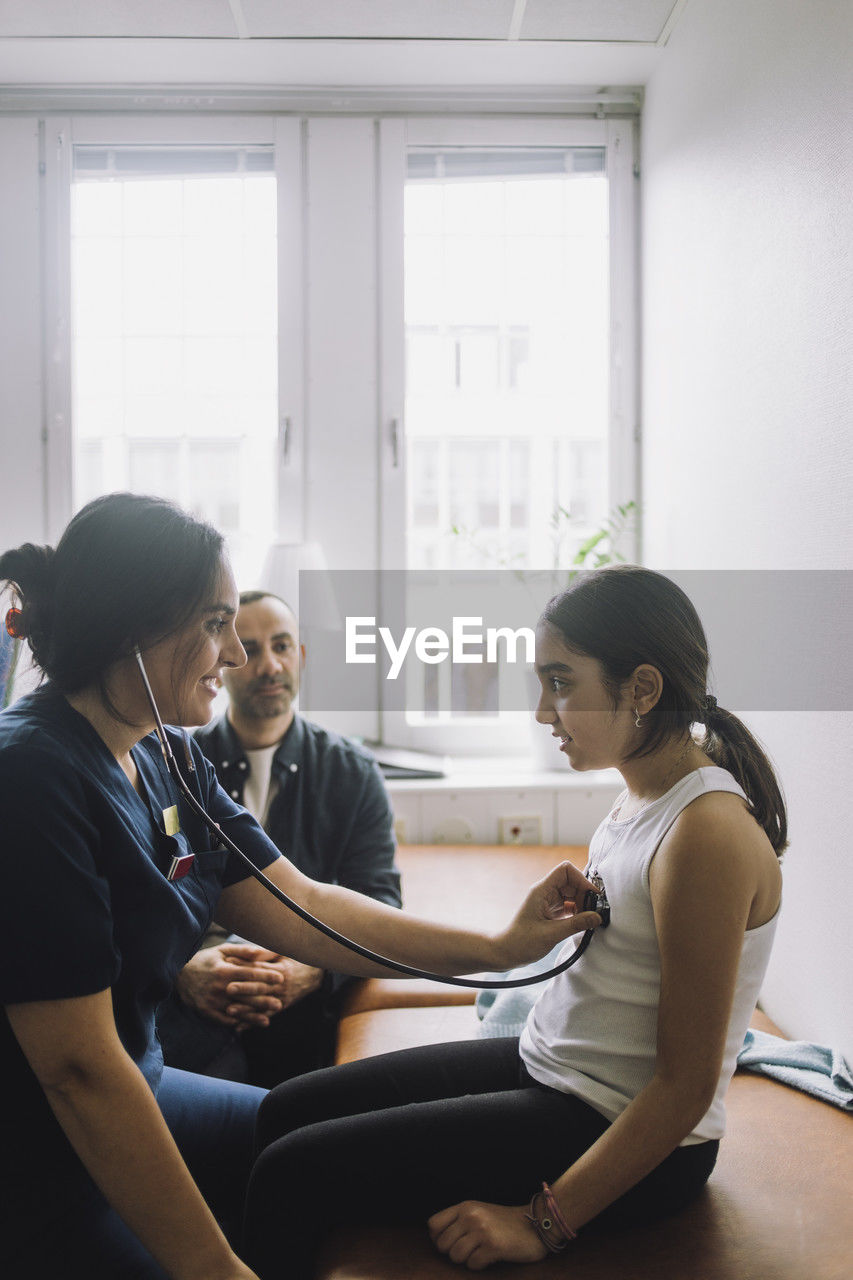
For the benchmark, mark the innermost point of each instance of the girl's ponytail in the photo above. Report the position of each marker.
(731, 746)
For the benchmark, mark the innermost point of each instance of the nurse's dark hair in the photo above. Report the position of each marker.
(128, 570)
(625, 616)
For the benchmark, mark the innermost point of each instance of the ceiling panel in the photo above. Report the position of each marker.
(613, 21)
(642, 20)
(81, 18)
(231, 65)
(380, 19)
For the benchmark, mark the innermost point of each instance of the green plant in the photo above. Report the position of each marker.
(485, 553)
(602, 547)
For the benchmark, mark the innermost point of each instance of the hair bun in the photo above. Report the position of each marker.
(29, 569)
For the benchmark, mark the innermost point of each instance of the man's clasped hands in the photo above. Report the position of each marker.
(240, 985)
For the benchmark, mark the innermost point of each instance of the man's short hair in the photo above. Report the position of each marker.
(252, 597)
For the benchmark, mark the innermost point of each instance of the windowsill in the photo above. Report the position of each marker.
(495, 774)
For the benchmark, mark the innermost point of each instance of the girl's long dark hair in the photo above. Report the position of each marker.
(625, 615)
(128, 570)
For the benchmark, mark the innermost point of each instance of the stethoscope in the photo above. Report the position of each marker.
(593, 901)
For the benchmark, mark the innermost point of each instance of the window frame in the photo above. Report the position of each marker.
(320, 498)
(61, 136)
(618, 137)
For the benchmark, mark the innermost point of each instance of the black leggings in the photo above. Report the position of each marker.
(396, 1138)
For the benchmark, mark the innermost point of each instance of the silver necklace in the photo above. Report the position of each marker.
(664, 786)
(592, 873)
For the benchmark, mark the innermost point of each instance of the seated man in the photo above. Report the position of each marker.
(238, 1011)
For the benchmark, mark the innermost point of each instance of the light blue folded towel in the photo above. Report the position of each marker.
(504, 1013)
(812, 1068)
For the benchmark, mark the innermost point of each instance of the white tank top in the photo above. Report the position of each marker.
(593, 1031)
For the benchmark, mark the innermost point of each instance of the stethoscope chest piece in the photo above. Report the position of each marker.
(597, 900)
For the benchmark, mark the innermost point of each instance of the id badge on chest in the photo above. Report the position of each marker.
(181, 863)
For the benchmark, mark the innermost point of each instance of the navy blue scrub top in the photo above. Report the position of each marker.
(85, 903)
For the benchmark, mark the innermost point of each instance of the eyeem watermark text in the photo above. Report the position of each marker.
(432, 644)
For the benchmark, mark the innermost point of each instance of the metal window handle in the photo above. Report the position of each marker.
(284, 425)
(394, 432)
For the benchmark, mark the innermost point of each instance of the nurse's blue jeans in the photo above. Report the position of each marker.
(213, 1123)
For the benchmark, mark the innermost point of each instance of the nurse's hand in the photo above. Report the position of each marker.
(552, 910)
(203, 984)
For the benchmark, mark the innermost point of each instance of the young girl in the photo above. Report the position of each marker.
(110, 1164)
(610, 1107)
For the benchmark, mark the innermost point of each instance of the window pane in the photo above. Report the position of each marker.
(425, 483)
(174, 345)
(507, 372)
(214, 482)
(519, 484)
(474, 483)
(154, 467)
(474, 690)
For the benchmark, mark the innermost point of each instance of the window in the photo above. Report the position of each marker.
(517, 393)
(507, 354)
(174, 333)
(347, 330)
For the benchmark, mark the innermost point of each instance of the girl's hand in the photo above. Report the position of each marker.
(476, 1234)
(552, 910)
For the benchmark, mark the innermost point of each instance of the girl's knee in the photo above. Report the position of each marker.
(284, 1109)
(327, 1094)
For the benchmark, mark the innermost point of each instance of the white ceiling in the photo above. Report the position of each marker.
(224, 44)
(641, 21)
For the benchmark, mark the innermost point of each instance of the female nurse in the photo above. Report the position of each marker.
(111, 1164)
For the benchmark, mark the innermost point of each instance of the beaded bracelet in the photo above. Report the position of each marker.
(543, 1224)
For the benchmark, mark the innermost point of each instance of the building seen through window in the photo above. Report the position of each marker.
(174, 333)
(507, 354)
(507, 371)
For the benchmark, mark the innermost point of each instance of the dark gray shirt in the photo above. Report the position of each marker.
(330, 814)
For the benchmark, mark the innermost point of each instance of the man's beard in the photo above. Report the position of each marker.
(259, 706)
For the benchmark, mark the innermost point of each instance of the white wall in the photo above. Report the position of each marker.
(748, 452)
(21, 463)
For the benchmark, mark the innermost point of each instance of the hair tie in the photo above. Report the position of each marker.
(14, 625)
(709, 706)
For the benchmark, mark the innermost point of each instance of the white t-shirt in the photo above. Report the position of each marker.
(260, 789)
(593, 1031)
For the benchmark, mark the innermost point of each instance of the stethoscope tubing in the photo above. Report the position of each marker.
(492, 984)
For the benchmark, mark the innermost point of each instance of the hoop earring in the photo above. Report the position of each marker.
(637, 718)
(13, 624)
